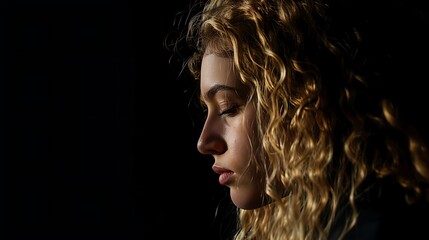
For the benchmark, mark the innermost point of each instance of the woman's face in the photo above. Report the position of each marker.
(228, 130)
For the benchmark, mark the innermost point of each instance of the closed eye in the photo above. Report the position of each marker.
(232, 111)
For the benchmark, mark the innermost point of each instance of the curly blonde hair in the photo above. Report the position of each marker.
(324, 130)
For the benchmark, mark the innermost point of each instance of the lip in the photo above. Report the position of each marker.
(225, 175)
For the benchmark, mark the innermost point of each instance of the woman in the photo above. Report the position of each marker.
(301, 122)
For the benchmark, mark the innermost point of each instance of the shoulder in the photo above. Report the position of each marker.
(393, 218)
(384, 214)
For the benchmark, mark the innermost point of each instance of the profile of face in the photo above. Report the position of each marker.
(228, 130)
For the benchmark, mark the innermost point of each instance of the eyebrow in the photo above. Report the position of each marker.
(217, 88)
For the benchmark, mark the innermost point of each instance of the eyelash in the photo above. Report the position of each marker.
(230, 111)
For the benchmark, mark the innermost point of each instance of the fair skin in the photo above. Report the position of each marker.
(228, 129)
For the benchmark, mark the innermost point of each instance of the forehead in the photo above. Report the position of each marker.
(217, 70)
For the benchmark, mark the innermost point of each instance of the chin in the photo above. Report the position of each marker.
(246, 200)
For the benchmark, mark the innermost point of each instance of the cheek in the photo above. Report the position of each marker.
(240, 147)
(242, 143)
(244, 149)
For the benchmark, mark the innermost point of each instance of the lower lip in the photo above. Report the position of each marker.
(225, 177)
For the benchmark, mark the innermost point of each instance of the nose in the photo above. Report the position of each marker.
(211, 140)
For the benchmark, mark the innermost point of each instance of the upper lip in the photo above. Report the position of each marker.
(220, 170)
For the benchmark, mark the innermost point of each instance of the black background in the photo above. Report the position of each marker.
(100, 145)
(99, 141)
